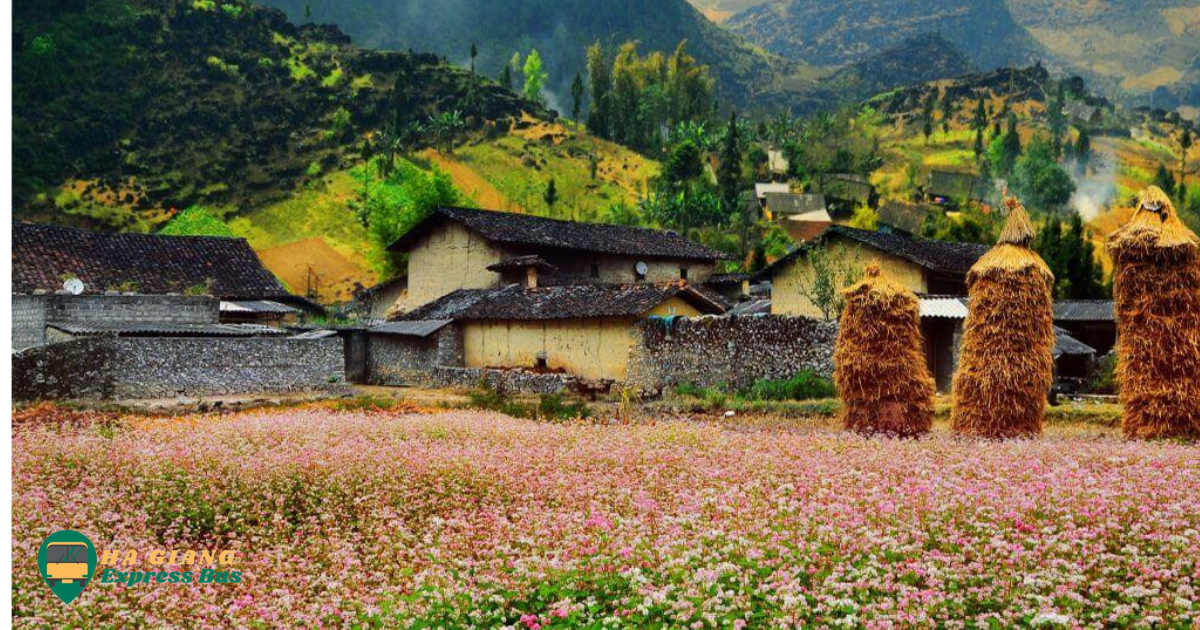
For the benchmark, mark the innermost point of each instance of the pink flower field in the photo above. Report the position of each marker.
(472, 520)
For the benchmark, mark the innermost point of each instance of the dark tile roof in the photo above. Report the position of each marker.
(959, 185)
(169, 330)
(953, 258)
(417, 328)
(1084, 311)
(903, 215)
(44, 255)
(529, 231)
(1066, 345)
(521, 262)
(727, 278)
(794, 203)
(846, 186)
(559, 302)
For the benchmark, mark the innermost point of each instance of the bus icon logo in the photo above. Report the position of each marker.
(66, 561)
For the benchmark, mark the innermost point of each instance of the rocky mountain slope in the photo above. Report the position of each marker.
(838, 32)
(560, 30)
(1143, 48)
(125, 108)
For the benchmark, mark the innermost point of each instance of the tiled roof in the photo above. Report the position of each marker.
(520, 262)
(1084, 311)
(1066, 345)
(795, 203)
(903, 215)
(727, 278)
(256, 306)
(955, 258)
(559, 302)
(169, 330)
(44, 255)
(529, 231)
(751, 307)
(846, 186)
(959, 185)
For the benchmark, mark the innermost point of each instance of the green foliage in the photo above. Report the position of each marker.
(1072, 258)
(195, 221)
(865, 218)
(970, 226)
(535, 76)
(548, 407)
(390, 206)
(204, 5)
(829, 271)
(233, 10)
(1039, 180)
(805, 385)
(1104, 381)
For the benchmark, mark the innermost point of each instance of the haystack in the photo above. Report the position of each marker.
(1157, 291)
(880, 369)
(1007, 363)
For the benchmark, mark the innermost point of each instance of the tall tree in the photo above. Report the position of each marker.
(1058, 120)
(1083, 148)
(474, 54)
(577, 94)
(535, 76)
(506, 78)
(600, 84)
(1185, 146)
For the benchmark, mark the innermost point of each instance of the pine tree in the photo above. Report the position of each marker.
(1083, 148)
(506, 77)
(474, 54)
(577, 94)
(600, 82)
(1010, 147)
(551, 195)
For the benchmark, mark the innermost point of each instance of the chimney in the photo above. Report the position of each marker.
(531, 279)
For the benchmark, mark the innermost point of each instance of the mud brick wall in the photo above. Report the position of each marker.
(730, 352)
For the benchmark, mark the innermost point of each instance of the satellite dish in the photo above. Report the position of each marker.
(641, 268)
(74, 286)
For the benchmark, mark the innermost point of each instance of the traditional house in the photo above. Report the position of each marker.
(586, 330)
(902, 217)
(1093, 322)
(461, 248)
(45, 256)
(1081, 113)
(929, 267)
(845, 192)
(777, 163)
(947, 188)
(762, 189)
(375, 303)
(784, 206)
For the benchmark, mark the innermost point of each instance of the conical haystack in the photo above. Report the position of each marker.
(1157, 291)
(1007, 361)
(880, 363)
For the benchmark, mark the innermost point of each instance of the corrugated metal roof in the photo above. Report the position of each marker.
(417, 328)
(761, 189)
(1084, 311)
(168, 330)
(1066, 345)
(255, 306)
(943, 307)
(751, 307)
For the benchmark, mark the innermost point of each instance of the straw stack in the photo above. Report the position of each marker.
(1007, 362)
(1157, 291)
(880, 370)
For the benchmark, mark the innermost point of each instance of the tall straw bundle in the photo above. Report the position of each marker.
(880, 365)
(1007, 362)
(1157, 291)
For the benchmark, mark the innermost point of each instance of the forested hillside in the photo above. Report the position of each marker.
(560, 30)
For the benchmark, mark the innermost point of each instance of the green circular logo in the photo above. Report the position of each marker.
(66, 561)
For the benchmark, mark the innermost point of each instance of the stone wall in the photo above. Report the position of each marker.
(32, 312)
(406, 360)
(165, 367)
(728, 351)
(28, 321)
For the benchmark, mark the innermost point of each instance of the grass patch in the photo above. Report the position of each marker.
(547, 407)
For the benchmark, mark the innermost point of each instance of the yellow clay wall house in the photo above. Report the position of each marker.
(788, 299)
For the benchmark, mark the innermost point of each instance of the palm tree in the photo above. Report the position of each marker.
(445, 126)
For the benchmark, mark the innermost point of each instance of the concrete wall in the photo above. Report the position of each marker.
(728, 351)
(158, 367)
(589, 348)
(32, 312)
(786, 295)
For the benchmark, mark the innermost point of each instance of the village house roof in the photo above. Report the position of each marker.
(1080, 110)
(953, 258)
(418, 328)
(43, 256)
(256, 306)
(1084, 311)
(719, 279)
(795, 203)
(776, 161)
(942, 306)
(1066, 345)
(953, 185)
(167, 330)
(577, 301)
(762, 189)
(846, 187)
(751, 307)
(903, 215)
(523, 230)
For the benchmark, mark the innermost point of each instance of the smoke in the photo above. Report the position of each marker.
(1095, 187)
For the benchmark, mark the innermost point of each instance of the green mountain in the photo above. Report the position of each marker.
(126, 108)
(560, 30)
(898, 66)
(839, 32)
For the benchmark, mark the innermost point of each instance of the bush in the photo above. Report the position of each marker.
(1104, 381)
(805, 385)
(550, 406)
